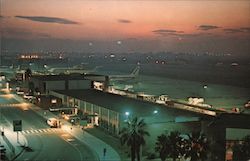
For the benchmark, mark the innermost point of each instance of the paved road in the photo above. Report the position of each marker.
(46, 143)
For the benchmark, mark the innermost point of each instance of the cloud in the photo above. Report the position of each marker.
(48, 19)
(232, 31)
(165, 32)
(179, 34)
(124, 21)
(207, 27)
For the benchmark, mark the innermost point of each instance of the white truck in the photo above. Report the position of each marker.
(53, 122)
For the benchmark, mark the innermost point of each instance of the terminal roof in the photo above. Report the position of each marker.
(123, 104)
(62, 77)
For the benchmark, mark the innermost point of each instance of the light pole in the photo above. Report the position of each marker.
(127, 115)
(1, 121)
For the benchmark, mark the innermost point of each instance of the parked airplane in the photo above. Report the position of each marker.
(7, 69)
(70, 70)
(133, 75)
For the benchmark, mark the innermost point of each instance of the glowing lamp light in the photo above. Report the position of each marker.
(53, 101)
(24, 106)
(126, 113)
(8, 96)
(205, 86)
(119, 42)
(155, 111)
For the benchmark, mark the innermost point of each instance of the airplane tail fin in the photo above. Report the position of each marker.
(135, 72)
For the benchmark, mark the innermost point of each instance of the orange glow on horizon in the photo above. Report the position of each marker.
(100, 19)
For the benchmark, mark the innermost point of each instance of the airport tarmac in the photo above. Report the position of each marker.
(220, 96)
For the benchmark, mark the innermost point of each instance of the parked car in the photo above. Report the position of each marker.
(20, 92)
(28, 96)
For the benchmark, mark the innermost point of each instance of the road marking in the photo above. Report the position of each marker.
(51, 130)
(48, 130)
(44, 130)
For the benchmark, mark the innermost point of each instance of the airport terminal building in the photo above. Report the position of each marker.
(46, 83)
(110, 111)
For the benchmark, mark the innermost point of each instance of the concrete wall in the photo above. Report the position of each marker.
(50, 85)
(55, 85)
(79, 84)
(61, 85)
(36, 83)
(108, 119)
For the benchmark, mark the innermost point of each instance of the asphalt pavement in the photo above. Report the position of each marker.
(45, 143)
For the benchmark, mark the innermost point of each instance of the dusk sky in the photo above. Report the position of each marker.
(195, 26)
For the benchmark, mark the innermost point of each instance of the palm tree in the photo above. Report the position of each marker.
(28, 74)
(133, 136)
(170, 145)
(197, 146)
(175, 145)
(246, 147)
(242, 151)
(162, 146)
(237, 152)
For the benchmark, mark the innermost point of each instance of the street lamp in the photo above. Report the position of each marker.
(155, 111)
(127, 115)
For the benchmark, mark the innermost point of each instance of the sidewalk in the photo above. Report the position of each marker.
(95, 144)
(9, 140)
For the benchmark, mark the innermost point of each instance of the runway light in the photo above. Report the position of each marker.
(119, 42)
